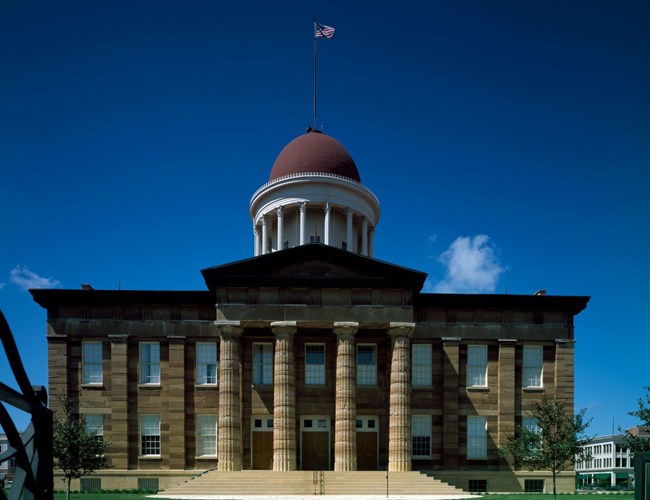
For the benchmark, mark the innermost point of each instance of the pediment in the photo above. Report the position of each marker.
(313, 265)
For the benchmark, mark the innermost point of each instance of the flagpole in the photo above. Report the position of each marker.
(314, 37)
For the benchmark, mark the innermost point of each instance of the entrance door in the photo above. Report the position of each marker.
(315, 443)
(262, 441)
(367, 445)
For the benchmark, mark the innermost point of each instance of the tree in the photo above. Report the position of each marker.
(554, 443)
(637, 442)
(78, 452)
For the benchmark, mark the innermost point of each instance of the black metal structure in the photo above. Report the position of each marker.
(32, 450)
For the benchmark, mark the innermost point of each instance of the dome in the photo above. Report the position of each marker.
(314, 152)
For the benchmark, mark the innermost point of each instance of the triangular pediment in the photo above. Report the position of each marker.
(313, 265)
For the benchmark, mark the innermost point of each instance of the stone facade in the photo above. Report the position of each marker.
(324, 359)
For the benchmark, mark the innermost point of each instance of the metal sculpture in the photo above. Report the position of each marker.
(31, 450)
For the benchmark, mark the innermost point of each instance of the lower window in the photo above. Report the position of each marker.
(478, 486)
(421, 436)
(533, 486)
(150, 435)
(148, 484)
(91, 483)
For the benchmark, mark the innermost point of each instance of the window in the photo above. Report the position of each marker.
(206, 435)
(421, 365)
(476, 437)
(366, 364)
(315, 364)
(532, 366)
(94, 424)
(150, 435)
(263, 364)
(148, 484)
(533, 486)
(478, 485)
(90, 484)
(91, 363)
(476, 366)
(421, 435)
(531, 424)
(150, 363)
(206, 363)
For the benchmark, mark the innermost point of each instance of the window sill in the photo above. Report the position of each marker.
(206, 386)
(149, 386)
(421, 387)
(92, 386)
(477, 459)
(150, 457)
(206, 457)
(478, 388)
(534, 389)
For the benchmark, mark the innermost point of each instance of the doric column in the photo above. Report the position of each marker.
(399, 424)
(303, 223)
(265, 234)
(326, 223)
(451, 360)
(119, 401)
(506, 394)
(280, 230)
(284, 397)
(364, 236)
(176, 408)
(256, 234)
(348, 234)
(345, 430)
(229, 446)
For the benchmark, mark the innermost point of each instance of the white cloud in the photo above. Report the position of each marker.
(471, 266)
(26, 279)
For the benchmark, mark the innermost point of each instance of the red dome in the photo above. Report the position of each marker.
(314, 152)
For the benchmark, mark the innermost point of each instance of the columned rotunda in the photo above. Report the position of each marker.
(314, 194)
(311, 355)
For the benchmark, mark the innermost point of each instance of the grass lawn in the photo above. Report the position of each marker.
(563, 496)
(102, 496)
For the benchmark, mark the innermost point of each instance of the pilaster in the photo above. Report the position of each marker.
(176, 408)
(345, 435)
(229, 445)
(303, 222)
(280, 235)
(564, 370)
(506, 393)
(399, 424)
(450, 443)
(284, 397)
(119, 401)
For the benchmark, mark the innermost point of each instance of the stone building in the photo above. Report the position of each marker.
(311, 355)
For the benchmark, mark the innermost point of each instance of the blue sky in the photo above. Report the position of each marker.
(508, 143)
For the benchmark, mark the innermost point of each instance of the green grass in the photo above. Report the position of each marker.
(564, 496)
(102, 496)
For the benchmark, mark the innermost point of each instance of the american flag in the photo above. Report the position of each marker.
(322, 31)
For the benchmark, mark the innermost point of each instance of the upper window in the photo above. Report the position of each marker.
(206, 435)
(263, 364)
(366, 364)
(421, 435)
(421, 365)
(315, 364)
(150, 435)
(149, 363)
(476, 366)
(533, 363)
(91, 363)
(206, 363)
(476, 437)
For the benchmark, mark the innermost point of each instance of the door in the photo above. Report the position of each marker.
(367, 442)
(315, 443)
(262, 441)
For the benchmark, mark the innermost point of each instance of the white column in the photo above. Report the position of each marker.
(326, 223)
(364, 236)
(371, 242)
(303, 223)
(256, 232)
(265, 235)
(348, 235)
(280, 244)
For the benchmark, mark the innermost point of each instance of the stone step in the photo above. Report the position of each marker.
(312, 483)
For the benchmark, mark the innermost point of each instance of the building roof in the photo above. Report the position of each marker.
(314, 152)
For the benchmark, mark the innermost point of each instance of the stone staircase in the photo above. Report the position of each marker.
(258, 482)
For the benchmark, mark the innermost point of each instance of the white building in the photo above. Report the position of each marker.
(610, 465)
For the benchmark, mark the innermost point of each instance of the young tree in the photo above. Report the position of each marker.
(78, 452)
(635, 442)
(554, 443)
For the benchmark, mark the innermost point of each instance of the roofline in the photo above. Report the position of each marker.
(571, 303)
(48, 297)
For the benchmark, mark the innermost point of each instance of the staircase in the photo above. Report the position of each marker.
(258, 482)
